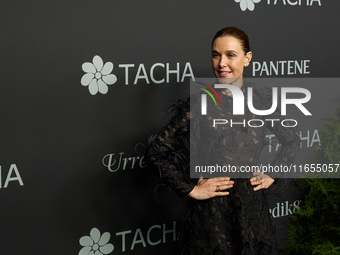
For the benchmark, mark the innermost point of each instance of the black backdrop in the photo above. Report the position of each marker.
(58, 178)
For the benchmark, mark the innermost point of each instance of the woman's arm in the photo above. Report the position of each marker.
(169, 149)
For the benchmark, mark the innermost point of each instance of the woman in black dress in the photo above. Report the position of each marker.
(223, 216)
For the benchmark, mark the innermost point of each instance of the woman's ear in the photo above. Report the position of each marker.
(247, 58)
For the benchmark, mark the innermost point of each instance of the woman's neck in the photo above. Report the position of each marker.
(238, 83)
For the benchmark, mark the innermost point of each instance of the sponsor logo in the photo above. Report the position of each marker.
(13, 175)
(96, 243)
(247, 4)
(250, 4)
(127, 240)
(284, 209)
(295, 2)
(120, 161)
(280, 68)
(309, 138)
(155, 235)
(146, 75)
(98, 76)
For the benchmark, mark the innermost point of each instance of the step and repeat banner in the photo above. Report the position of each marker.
(83, 84)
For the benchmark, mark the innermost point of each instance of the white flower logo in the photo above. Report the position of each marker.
(247, 4)
(97, 75)
(96, 244)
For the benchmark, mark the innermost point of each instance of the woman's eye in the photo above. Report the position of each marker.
(231, 55)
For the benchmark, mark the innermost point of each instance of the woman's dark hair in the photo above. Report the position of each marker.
(234, 32)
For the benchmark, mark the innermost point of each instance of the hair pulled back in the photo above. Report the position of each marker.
(234, 32)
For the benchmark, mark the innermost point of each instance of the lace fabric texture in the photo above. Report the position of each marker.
(238, 223)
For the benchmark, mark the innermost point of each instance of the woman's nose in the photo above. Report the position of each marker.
(223, 62)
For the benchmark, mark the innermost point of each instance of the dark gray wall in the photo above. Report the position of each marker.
(57, 138)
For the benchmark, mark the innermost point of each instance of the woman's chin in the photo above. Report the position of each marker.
(234, 81)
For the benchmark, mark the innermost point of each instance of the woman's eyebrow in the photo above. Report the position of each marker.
(231, 51)
(227, 51)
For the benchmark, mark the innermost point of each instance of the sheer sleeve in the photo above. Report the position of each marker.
(169, 151)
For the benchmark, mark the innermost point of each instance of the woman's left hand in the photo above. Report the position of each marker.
(262, 181)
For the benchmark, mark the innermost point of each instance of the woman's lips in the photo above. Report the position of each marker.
(224, 73)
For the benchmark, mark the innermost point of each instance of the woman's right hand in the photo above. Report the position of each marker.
(208, 188)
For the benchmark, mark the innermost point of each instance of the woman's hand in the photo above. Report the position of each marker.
(208, 188)
(262, 181)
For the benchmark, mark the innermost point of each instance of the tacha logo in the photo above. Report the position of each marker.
(96, 244)
(98, 75)
(247, 4)
(250, 4)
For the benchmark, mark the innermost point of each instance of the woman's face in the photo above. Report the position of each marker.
(228, 60)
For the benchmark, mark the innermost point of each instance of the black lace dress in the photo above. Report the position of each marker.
(235, 224)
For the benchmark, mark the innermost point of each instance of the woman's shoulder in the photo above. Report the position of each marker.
(181, 106)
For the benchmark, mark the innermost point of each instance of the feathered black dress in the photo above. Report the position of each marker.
(238, 223)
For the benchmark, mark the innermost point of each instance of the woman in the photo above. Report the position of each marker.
(223, 216)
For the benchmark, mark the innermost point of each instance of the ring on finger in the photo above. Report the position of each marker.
(217, 189)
